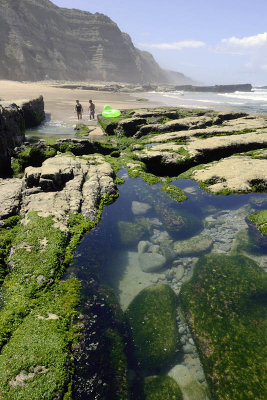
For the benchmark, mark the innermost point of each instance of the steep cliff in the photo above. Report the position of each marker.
(42, 41)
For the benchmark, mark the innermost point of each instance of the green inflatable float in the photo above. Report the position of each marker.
(109, 112)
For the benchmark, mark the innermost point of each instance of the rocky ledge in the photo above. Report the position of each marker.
(225, 152)
(62, 185)
(14, 119)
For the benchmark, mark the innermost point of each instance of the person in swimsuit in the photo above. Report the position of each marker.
(79, 109)
(91, 109)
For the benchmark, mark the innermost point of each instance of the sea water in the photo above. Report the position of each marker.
(254, 102)
(105, 255)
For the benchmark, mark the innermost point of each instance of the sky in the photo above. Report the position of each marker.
(210, 41)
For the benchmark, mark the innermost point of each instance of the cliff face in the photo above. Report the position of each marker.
(42, 41)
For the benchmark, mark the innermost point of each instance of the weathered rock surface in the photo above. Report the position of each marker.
(63, 184)
(228, 127)
(222, 175)
(42, 41)
(10, 195)
(177, 125)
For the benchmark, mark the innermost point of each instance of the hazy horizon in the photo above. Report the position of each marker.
(212, 43)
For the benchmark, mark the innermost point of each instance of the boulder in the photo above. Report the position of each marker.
(151, 262)
(193, 246)
(152, 319)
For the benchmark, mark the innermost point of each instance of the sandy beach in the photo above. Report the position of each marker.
(60, 102)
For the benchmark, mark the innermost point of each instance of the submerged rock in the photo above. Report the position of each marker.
(191, 388)
(161, 388)
(139, 208)
(150, 262)
(132, 232)
(178, 223)
(152, 319)
(195, 245)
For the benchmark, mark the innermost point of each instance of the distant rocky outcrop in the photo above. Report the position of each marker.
(14, 118)
(246, 87)
(42, 41)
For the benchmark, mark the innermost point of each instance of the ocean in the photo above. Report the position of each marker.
(254, 102)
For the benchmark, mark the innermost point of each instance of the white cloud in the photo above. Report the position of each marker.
(264, 67)
(245, 45)
(173, 45)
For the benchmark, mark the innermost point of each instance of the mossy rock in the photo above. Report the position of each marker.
(225, 306)
(260, 219)
(82, 130)
(161, 388)
(174, 192)
(179, 224)
(152, 318)
(32, 156)
(132, 232)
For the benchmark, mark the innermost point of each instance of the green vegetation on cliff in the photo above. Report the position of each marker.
(225, 306)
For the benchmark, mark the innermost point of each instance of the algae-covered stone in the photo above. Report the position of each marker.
(161, 388)
(191, 389)
(260, 219)
(152, 318)
(178, 223)
(224, 304)
(195, 245)
(132, 232)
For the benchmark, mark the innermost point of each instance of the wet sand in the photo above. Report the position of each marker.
(60, 103)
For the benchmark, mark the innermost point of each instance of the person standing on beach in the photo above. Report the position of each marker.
(91, 109)
(79, 109)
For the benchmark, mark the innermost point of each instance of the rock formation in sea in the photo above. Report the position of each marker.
(42, 41)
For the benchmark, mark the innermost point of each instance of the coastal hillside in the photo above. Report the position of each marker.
(41, 41)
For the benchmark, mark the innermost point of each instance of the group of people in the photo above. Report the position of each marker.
(79, 109)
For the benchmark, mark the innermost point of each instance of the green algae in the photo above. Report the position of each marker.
(82, 130)
(39, 348)
(152, 319)
(260, 219)
(174, 192)
(31, 156)
(224, 304)
(37, 251)
(161, 388)
(7, 235)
